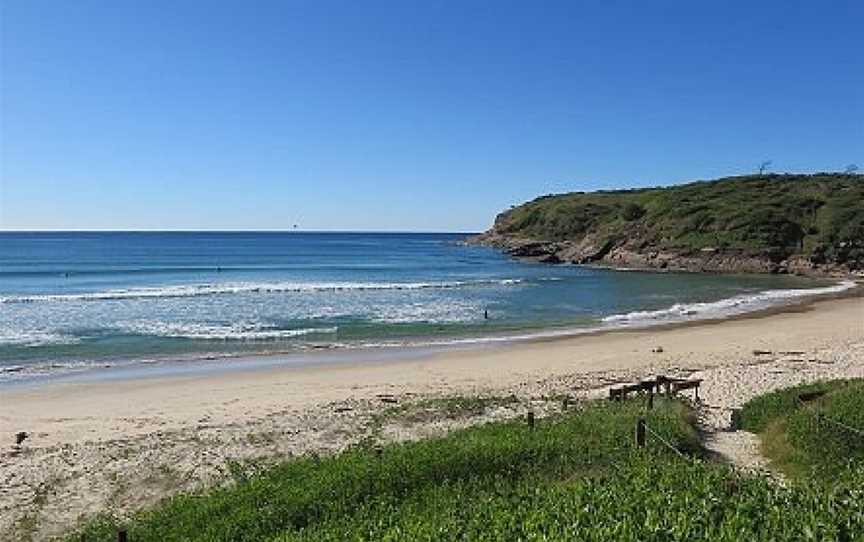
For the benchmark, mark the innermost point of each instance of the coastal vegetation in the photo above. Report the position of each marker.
(772, 223)
(576, 475)
(813, 431)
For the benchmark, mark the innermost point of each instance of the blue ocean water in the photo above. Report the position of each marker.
(85, 299)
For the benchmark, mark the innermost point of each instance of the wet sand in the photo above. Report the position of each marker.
(117, 445)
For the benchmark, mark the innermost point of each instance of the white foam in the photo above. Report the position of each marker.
(442, 311)
(12, 373)
(733, 305)
(15, 337)
(194, 290)
(232, 332)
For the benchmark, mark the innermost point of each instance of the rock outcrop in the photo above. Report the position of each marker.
(760, 233)
(627, 256)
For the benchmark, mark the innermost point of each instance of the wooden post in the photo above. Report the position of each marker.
(651, 399)
(531, 419)
(697, 393)
(640, 433)
(662, 384)
(565, 403)
(121, 536)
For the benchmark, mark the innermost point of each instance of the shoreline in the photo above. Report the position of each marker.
(117, 446)
(452, 361)
(208, 362)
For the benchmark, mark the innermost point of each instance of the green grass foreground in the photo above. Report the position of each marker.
(575, 476)
(809, 441)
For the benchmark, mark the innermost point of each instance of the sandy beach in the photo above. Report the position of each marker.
(117, 445)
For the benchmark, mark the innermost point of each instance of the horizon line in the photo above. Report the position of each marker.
(230, 230)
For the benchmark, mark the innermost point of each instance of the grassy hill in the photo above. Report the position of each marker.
(770, 223)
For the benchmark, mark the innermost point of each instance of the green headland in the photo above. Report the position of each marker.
(805, 224)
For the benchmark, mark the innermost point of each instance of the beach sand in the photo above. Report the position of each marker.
(119, 445)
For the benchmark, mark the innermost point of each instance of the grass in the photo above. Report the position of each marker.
(446, 408)
(758, 413)
(806, 441)
(575, 476)
(818, 216)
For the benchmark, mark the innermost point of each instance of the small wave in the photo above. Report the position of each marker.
(120, 271)
(13, 373)
(201, 269)
(196, 290)
(233, 332)
(443, 311)
(732, 305)
(11, 337)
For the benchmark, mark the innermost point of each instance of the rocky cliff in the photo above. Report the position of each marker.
(802, 224)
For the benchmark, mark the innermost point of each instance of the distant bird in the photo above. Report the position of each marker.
(20, 437)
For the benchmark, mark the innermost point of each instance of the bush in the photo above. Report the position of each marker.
(632, 211)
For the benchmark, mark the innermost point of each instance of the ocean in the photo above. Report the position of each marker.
(84, 301)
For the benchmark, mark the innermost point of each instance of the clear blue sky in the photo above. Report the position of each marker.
(405, 115)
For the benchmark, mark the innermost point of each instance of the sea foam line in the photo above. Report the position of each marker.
(732, 305)
(14, 337)
(678, 312)
(196, 290)
(232, 332)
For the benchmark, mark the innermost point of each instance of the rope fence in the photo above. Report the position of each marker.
(849, 428)
(661, 384)
(641, 430)
(821, 416)
(664, 441)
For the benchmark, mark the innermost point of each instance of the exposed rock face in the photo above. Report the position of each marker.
(634, 253)
(794, 223)
(799, 224)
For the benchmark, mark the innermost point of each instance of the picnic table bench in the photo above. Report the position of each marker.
(668, 385)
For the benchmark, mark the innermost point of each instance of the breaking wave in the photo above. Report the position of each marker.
(196, 290)
(13, 337)
(733, 305)
(232, 332)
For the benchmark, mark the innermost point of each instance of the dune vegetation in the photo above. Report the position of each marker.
(818, 439)
(577, 475)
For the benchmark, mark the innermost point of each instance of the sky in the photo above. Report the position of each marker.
(407, 115)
